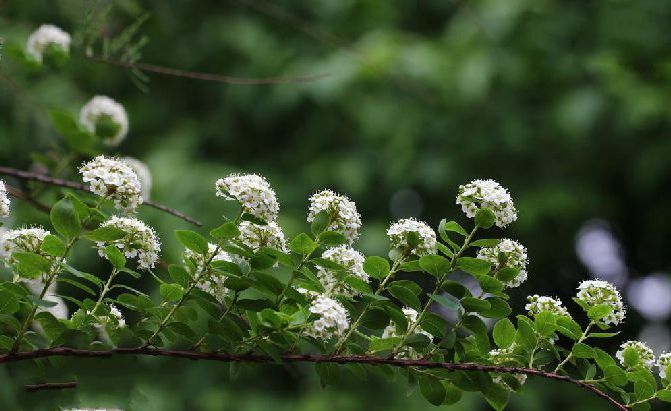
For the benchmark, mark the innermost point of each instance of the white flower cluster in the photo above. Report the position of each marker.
(538, 304)
(114, 179)
(143, 174)
(139, 242)
(487, 194)
(663, 363)
(390, 331)
(115, 317)
(47, 35)
(645, 355)
(214, 284)
(253, 192)
(4, 200)
(399, 230)
(333, 319)
(344, 218)
(256, 236)
(23, 240)
(102, 109)
(507, 254)
(352, 260)
(596, 292)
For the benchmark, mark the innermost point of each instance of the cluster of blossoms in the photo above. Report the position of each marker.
(597, 292)
(332, 321)
(140, 241)
(503, 356)
(105, 118)
(253, 192)
(343, 216)
(398, 235)
(114, 318)
(507, 254)
(487, 194)
(47, 37)
(4, 200)
(390, 331)
(256, 236)
(214, 284)
(114, 179)
(23, 240)
(352, 261)
(143, 174)
(538, 304)
(663, 364)
(646, 357)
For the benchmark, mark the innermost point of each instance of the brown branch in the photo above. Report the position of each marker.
(168, 71)
(15, 192)
(28, 175)
(51, 386)
(293, 358)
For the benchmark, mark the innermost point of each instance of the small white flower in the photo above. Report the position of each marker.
(143, 174)
(344, 218)
(538, 304)
(399, 230)
(116, 316)
(140, 241)
(23, 240)
(4, 200)
(351, 260)
(597, 292)
(507, 254)
(45, 36)
(663, 363)
(332, 321)
(256, 236)
(253, 192)
(113, 179)
(390, 331)
(214, 284)
(646, 357)
(505, 356)
(488, 194)
(104, 109)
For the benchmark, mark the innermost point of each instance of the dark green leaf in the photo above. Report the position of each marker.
(53, 246)
(171, 292)
(376, 267)
(504, 333)
(484, 218)
(115, 256)
(226, 231)
(434, 264)
(446, 301)
(405, 296)
(302, 244)
(192, 240)
(64, 218)
(432, 389)
(475, 266)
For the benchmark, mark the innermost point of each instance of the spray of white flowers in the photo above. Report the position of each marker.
(663, 364)
(332, 318)
(4, 200)
(143, 174)
(106, 118)
(352, 262)
(597, 292)
(487, 194)
(635, 353)
(507, 254)
(343, 215)
(113, 179)
(256, 236)
(23, 240)
(45, 37)
(539, 304)
(399, 232)
(139, 241)
(253, 192)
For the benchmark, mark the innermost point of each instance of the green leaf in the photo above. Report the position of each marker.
(484, 218)
(64, 218)
(475, 266)
(446, 301)
(568, 327)
(631, 357)
(452, 394)
(405, 296)
(485, 242)
(434, 264)
(545, 323)
(452, 226)
(171, 292)
(331, 238)
(320, 222)
(507, 274)
(53, 246)
(475, 304)
(479, 330)
(664, 395)
(106, 234)
(31, 265)
(302, 244)
(115, 256)
(615, 375)
(581, 350)
(226, 231)
(599, 311)
(603, 335)
(329, 373)
(9, 304)
(432, 389)
(526, 336)
(504, 333)
(384, 344)
(376, 267)
(78, 139)
(499, 308)
(179, 275)
(192, 240)
(643, 390)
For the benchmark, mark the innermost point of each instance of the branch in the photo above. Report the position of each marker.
(15, 192)
(293, 358)
(28, 175)
(51, 386)
(168, 71)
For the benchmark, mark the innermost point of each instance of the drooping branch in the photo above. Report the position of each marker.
(293, 358)
(28, 175)
(196, 75)
(51, 386)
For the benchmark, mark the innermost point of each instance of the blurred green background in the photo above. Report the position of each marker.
(566, 103)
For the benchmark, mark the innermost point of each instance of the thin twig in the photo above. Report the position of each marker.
(51, 386)
(292, 358)
(28, 175)
(196, 75)
(15, 192)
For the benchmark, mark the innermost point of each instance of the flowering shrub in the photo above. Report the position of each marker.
(314, 298)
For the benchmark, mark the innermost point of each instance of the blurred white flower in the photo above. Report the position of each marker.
(663, 363)
(143, 174)
(47, 35)
(650, 296)
(105, 118)
(343, 216)
(112, 178)
(253, 192)
(4, 200)
(487, 194)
